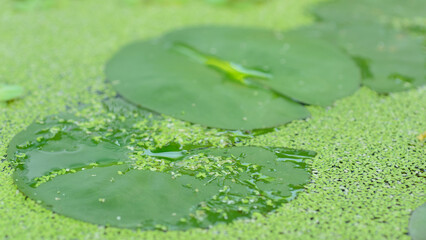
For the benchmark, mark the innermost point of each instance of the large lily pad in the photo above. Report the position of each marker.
(390, 60)
(104, 173)
(232, 78)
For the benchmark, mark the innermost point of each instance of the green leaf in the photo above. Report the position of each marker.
(9, 92)
(107, 177)
(232, 78)
(390, 60)
(417, 225)
(312, 72)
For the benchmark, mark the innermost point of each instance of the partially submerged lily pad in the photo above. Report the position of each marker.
(417, 227)
(232, 78)
(108, 173)
(9, 92)
(390, 60)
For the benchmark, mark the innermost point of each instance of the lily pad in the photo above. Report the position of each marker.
(109, 176)
(368, 11)
(417, 225)
(232, 78)
(390, 60)
(9, 92)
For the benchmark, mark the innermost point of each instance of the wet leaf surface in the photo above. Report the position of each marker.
(232, 78)
(115, 172)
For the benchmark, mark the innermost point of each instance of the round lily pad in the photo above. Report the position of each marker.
(232, 78)
(102, 174)
(390, 60)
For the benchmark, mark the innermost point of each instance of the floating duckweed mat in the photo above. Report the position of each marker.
(116, 172)
(383, 167)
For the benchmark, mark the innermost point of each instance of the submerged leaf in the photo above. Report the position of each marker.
(9, 92)
(417, 225)
(105, 174)
(232, 78)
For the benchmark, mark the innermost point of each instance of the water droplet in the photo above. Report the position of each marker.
(173, 175)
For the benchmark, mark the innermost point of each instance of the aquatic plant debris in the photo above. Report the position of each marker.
(230, 77)
(115, 171)
(417, 225)
(9, 92)
(422, 136)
